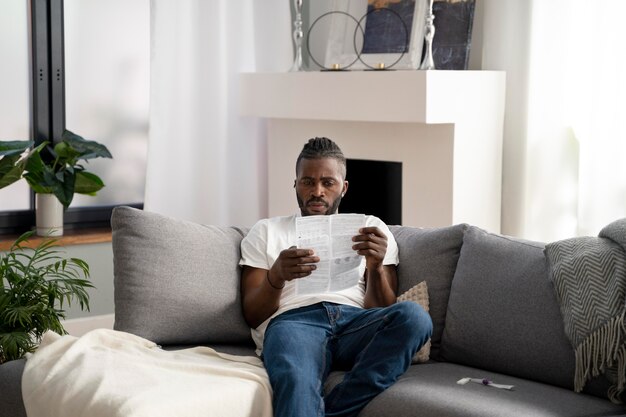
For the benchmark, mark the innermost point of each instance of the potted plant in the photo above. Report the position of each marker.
(36, 283)
(54, 176)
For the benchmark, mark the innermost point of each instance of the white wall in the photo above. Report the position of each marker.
(99, 257)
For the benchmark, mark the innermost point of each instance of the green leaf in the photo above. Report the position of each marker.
(14, 344)
(86, 148)
(35, 171)
(14, 147)
(64, 190)
(65, 152)
(23, 238)
(10, 171)
(13, 164)
(35, 185)
(35, 164)
(87, 183)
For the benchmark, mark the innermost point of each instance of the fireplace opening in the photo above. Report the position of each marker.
(375, 188)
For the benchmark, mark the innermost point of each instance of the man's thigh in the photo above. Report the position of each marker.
(358, 327)
(296, 343)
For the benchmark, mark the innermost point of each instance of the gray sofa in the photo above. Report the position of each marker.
(493, 307)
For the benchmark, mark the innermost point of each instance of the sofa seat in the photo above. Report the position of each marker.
(430, 390)
(230, 349)
(11, 404)
(426, 390)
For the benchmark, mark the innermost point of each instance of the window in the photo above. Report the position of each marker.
(107, 84)
(90, 69)
(15, 100)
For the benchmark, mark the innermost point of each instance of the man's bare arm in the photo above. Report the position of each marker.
(380, 287)
(259, 298)
(261, 289)
(381, 280)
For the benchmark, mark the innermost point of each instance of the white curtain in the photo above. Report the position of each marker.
(205, 162)
(565, 136)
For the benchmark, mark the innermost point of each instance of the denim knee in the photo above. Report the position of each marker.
(413, 319)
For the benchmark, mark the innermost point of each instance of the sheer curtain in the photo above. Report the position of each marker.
(565, 139)
(597, 110)
(205, 162)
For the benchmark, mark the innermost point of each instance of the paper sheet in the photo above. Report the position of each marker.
(330, 237)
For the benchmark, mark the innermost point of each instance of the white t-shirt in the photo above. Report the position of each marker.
(262, 246)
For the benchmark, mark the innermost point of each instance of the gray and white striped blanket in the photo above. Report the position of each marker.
(589, 276)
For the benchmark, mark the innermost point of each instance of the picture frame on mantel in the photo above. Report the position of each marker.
(380, 40)
(453, 33)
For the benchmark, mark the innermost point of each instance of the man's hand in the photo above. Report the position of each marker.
(261, 299)
(381, 281)
(371, 243)
(292, 264)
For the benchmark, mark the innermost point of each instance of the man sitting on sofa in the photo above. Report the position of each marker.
(302, 337)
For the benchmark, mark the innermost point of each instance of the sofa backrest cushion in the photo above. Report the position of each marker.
(503, 314)
(176, 282)
(431, 255)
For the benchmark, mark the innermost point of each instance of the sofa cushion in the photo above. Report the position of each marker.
(431, 255)
(176, 282)
(430, 390)
(503, 314)
(418, 294)
(11, 404)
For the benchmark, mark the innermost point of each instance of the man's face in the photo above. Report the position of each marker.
(319, 186)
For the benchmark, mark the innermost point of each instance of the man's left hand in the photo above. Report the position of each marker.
(371, 243)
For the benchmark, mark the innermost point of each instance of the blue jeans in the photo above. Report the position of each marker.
(374, 347)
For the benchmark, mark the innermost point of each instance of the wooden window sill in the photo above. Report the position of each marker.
(70, 237)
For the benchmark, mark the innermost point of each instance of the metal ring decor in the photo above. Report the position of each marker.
(308, 38)
(406, 38)
(354, 39)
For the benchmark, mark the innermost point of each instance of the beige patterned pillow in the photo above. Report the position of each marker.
(419, 294)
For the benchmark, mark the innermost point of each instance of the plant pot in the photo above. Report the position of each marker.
(49, 213)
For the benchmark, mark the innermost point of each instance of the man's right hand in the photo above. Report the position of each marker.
(260, 297)
(292, 263)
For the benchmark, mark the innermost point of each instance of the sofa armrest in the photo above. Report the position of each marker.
(11, 389)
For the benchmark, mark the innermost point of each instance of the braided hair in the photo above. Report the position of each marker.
(318, 148)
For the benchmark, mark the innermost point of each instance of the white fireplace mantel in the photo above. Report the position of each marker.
(444, 126)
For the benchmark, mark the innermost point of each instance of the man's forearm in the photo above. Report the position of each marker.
(380, 290)
(260, 297)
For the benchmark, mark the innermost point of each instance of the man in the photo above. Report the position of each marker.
(302, 337)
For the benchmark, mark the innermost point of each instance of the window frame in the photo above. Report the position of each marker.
(48, 114)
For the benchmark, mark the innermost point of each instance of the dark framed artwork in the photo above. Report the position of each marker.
(453, 33)
(380, 31)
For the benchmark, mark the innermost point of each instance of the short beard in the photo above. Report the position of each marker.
(332, 209)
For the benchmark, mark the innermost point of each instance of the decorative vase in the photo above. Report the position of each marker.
(429, 62)
(49, 213)
(297, 36)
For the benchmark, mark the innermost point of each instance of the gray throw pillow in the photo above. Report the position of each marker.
(176, 282)
(503, 315)
(431, 255)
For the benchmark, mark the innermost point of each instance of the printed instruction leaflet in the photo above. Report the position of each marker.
(330, 237)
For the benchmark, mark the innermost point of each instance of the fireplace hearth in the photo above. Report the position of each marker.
(375, 188)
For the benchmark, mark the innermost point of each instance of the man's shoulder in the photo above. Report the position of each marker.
(371, 220)
(275, 222)
(279, 221)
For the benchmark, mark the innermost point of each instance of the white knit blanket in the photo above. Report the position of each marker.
(106, 373)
